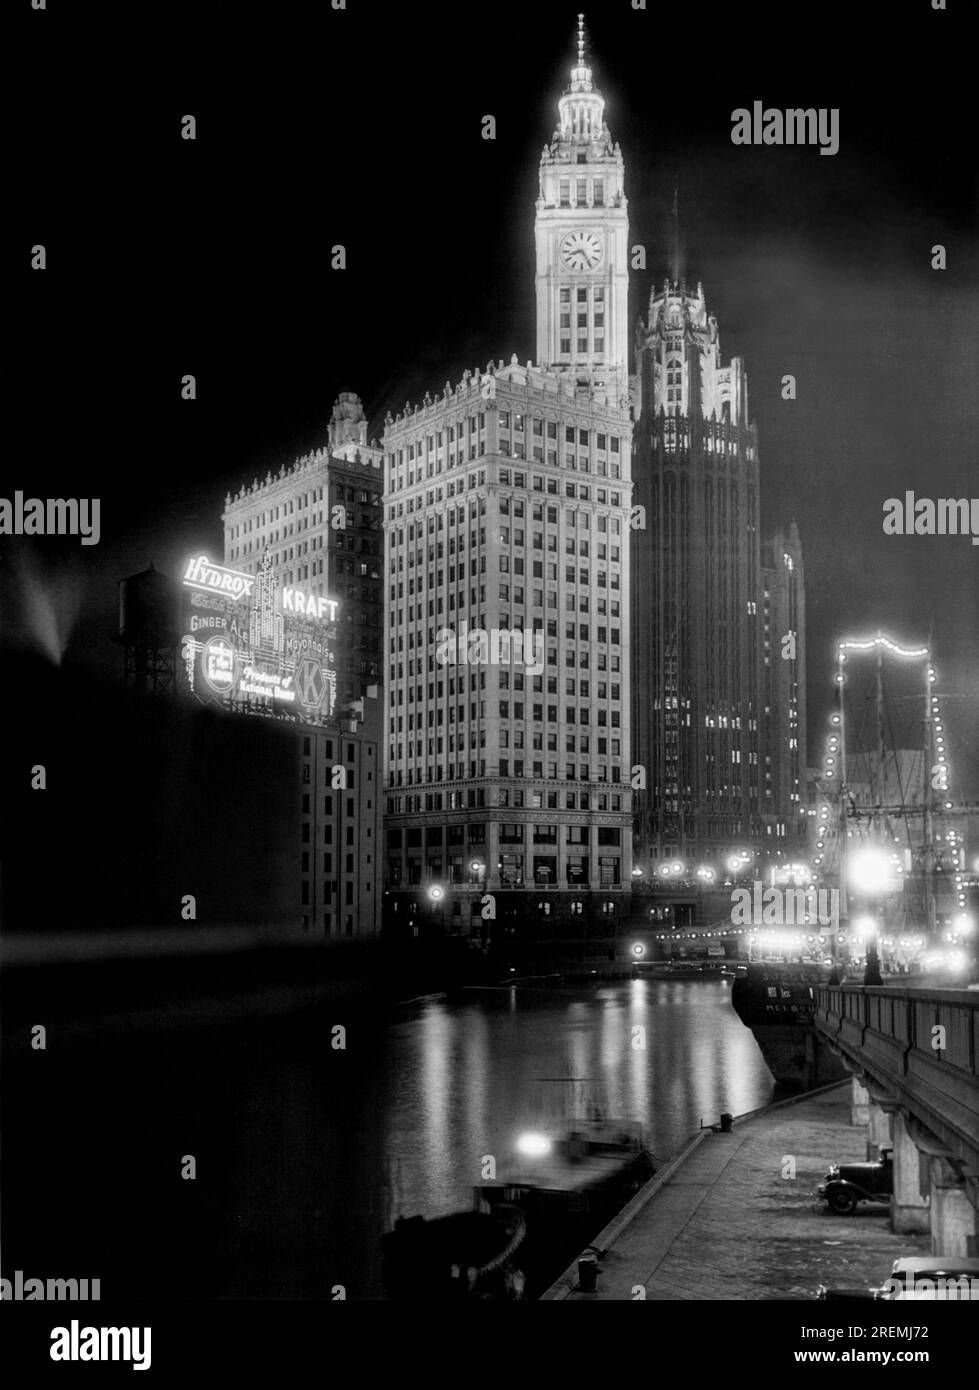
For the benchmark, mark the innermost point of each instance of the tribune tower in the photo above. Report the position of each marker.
(698, 715)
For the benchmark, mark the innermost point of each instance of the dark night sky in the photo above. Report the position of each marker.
(363, 127)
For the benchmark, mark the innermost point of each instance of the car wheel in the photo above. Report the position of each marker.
(842, 1203)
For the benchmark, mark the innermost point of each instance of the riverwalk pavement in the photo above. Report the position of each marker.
(736, 1217)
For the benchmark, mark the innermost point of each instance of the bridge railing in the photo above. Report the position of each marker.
(921, 1047)
(908, 1017)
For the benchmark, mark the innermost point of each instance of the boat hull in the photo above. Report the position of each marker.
(778, 1006)
(561, 1223)
(463, 1256)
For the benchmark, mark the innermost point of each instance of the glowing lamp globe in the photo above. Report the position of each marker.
(533, 1145)
(869, 872)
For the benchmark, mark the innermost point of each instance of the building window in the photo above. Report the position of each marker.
(545, 869)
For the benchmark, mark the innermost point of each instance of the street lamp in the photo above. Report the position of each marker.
(477, 869)
(866, 928)
(965, 925)
(871, 875)
(957, 962)
(436, 895)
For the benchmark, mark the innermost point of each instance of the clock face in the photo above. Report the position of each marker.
(581, 250)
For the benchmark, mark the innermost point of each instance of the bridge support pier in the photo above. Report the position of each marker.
(878, 1130)
(859, 1104)
(867, 1107)
(954, 1220)
(912, 1052)
(910, 1209)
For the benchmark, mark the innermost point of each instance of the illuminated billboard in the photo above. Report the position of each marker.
(255, 646)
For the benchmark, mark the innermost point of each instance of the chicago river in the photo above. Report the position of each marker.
(307, 1151)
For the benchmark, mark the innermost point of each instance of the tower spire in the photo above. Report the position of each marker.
(581, 72)
(581, 236)
(676, 229)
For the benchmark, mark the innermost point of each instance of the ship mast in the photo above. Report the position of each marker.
(924, 857)
(928, 858)
(844, 907)
(879, 782)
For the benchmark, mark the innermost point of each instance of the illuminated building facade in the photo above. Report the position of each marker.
(289, 628)
(784, 791)
(581, 235)
(506, 508)
(258, 753)
(697, 635)
(320, 522)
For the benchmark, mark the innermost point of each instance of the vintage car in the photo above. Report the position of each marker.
(933, 1278)
(920, 1278)
(847, 1184)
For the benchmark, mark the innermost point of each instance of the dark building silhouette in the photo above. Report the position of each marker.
(697, 698)
(148, 798)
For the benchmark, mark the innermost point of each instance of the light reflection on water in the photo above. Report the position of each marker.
(466, 1078)
(310, 1152)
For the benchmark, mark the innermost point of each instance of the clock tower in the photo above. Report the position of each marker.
(582, 241)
